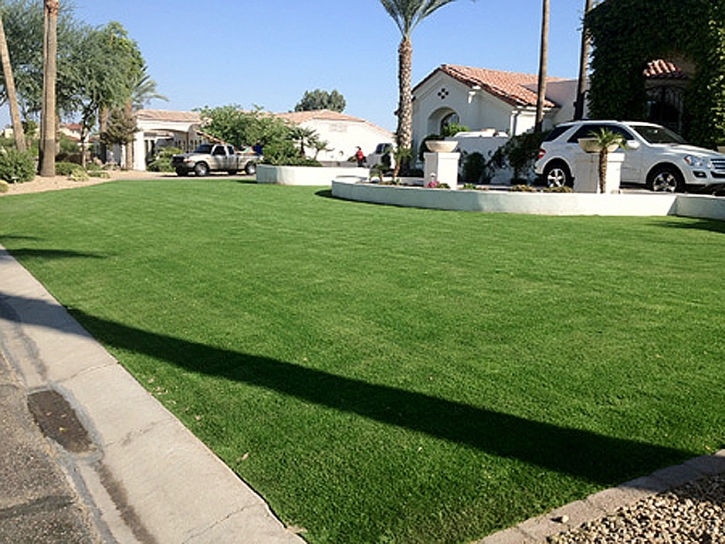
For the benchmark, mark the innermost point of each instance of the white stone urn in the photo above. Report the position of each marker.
(441, 146)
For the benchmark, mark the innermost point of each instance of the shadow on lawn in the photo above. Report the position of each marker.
(22, 253)
(709, 225)
(600, 459)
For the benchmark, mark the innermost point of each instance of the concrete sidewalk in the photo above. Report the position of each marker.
(88, 455)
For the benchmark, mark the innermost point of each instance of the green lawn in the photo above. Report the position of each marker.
(382, 374)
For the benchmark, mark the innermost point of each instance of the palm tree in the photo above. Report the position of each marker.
(50, 52)
(543, 67)
(407, 14)
(10, 88)
(606, 140)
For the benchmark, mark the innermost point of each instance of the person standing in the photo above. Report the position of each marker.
(360, 157)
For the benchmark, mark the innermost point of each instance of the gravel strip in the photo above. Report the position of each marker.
(691, 513)
(41, 184)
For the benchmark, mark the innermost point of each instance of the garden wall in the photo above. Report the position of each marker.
(305, 175)
(494, 201)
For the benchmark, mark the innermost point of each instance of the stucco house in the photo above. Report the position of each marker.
(162, 128)
(342, 132)
(487, 100)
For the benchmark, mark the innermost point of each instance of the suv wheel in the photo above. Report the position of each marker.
(666, 179)
(557, 174)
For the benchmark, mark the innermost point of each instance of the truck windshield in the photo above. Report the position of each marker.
(203, 148)
(658, 135)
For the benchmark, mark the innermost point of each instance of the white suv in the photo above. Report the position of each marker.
(654, 155)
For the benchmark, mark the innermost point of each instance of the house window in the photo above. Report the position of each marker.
(450, 119)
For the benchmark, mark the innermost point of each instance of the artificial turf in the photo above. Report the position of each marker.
(382, 374)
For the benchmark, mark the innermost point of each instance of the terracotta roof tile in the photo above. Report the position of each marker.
(662, 69)
(511, 87)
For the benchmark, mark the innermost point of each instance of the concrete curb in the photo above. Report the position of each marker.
(146, 478)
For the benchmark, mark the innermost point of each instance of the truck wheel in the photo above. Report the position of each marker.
(201, 169)
(182, 172)
(250, 168)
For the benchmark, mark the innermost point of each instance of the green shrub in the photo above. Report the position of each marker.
(16, 166)
(452, 129)
(79, 175)
(64, 168)
(98, 173)
(161, 160)
(474, 168)
(520, 153)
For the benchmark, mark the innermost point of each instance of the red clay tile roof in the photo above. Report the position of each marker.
(511, 87)
(662, 69)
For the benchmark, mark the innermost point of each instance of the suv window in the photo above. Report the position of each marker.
(587, 131)
(556, 132)
(658, 135)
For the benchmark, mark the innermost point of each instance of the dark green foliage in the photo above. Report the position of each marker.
(121, 128)
(625, 40)
(520, 153)
(161, 161)
(321, 100)
(16, 166)
(474, 167)
(240, 128)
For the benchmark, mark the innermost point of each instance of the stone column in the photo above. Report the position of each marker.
(442, 167)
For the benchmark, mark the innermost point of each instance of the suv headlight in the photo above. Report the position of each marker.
(698, 162)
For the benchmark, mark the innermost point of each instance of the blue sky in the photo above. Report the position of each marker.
(269, 52)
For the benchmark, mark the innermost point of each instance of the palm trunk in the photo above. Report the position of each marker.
(405, 104)
(50, 52)
(543, 67)
(603, 159)
(18, 132)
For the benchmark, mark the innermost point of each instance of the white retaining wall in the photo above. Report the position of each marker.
(306, 175)
(633, 204)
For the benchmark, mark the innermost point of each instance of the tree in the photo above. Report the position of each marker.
(306, 137)
(18, 132)
(120, 128)
(233, 125)
(543, 67)
(407, 14)
(50, 52)
(321, 100)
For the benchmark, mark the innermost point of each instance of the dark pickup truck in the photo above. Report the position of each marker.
(215, 158)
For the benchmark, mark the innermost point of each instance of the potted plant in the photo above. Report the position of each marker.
(604, 142)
